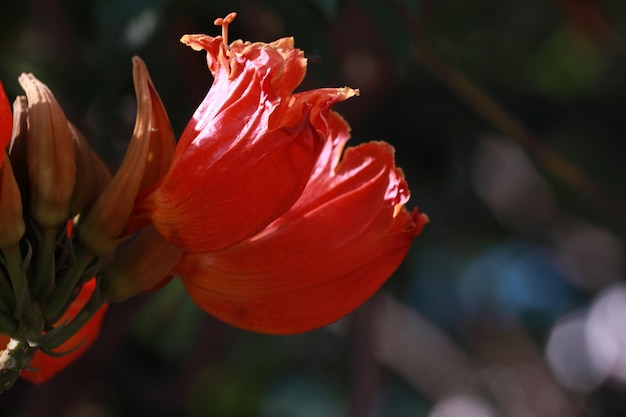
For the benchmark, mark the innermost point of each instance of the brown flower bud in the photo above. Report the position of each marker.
(92, 176)
(17, 148)
(50, 155)
(140, 265)
(148, 156)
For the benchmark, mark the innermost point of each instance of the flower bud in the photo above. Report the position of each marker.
(148, 156)
(49, 154)
(11, 217)
(17, 147)
(140, 265)
(92, 176)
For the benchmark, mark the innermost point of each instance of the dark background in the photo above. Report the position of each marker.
(508, 120)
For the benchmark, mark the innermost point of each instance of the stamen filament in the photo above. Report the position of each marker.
(224, 22)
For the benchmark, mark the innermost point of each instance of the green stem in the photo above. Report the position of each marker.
(62, 295)
(62, 334)
(44, 276)
(24, 304)
(8, 324)
(7, 298)
(13, 360)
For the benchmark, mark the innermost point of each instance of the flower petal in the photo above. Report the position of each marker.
(337, 245)
(11, 217)
(6, 119)
(248, 151)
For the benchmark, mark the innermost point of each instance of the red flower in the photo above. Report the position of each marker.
(331, 251)
(43, 367)
(282, 234)
(6, 121)
(249, 149)
(11, 221)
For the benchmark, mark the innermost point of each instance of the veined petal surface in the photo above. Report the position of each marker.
(249, 149)
(331, 251)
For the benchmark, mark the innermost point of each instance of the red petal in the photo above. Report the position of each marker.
(6, 120)
(323, 258)
(248, 151)
(286, 64)
(45, 367)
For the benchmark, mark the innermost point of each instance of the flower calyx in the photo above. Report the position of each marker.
(140, 264)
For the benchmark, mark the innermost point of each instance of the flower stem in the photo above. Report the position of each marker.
(44, 277)
(64, 332)
(63, 293)
(8, 324)
(7, 298)
(13, 360)
(17, 276)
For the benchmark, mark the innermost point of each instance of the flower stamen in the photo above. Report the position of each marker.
(224, 22)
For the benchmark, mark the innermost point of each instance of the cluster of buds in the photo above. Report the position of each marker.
(270, 223)
(62, 215)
